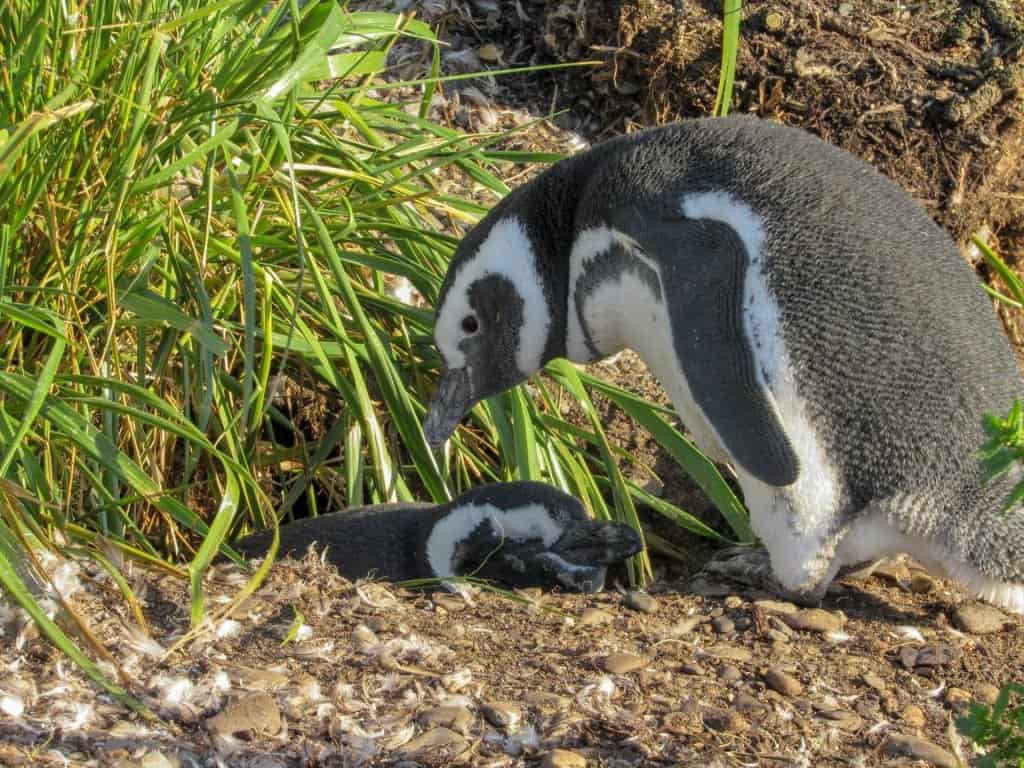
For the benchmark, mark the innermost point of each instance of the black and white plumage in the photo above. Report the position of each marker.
(522, 534)
(811, 324)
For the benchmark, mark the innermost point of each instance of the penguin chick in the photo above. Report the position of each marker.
(523, 534)
(811, 324)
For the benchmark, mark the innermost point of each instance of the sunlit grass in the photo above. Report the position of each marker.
(200, 206)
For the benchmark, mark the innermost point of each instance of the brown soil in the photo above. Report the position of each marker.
(359, 680)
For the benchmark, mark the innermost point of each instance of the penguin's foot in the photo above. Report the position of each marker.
(752, 567)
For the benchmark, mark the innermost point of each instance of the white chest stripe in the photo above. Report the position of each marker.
(506, 251)
(530, 521)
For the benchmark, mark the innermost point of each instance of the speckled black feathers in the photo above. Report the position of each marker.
(894, 346)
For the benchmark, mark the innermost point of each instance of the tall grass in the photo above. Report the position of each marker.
(200, 203)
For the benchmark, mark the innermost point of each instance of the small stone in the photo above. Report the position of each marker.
(732, 602)
(987, 693)
(563, 758)
(489, 52)
(730, 674)
(455, 718)
(935, 655)
(894, 571)
(154, 759)
(898, 745)
(744, 702)
(641, 601)
(687, 625)
(846, 9)
(724, 720)
(450, 603)
(729, 653)
(723, 625)
(775, 606)
(779, 680)
(257, 679)
(546, 700)
(376, 623)
(908, 656)
(254, 712)
(436, 740)
(979, 619)
(594, 616)
(847, 721)
(913, 716)
(871, 680)
(957, 698)
(692, 668)
(623, 663)
(813, 620)
(921, 583)
(503, 714)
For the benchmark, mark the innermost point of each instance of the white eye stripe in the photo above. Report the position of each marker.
(508, 252)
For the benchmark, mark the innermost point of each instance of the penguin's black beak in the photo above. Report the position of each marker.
(597, 543)
(452, 400)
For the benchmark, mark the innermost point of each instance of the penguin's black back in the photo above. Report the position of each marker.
(895, 347)
(386, 541)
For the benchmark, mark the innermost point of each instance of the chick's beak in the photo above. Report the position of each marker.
(451, 401)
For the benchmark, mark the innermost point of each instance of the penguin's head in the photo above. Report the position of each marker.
(492, 322)
(503, 307)
(527, 534)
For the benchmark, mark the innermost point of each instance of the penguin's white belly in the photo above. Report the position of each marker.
(793, 521)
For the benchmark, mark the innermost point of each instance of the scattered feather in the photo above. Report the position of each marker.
(12, 705)
(906, 632)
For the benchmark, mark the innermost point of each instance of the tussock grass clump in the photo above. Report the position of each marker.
(203, 203)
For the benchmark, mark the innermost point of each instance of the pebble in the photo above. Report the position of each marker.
(623, 663)
(729, 652)
(456, 718)
(546, 700)
(898, 745)
(871, 680)
(692, 668)
(935, 655)
(489, 52)
(978, 618)
(155, 759)
(814, 620)
(913, 716)
(921, 584)
(436, 739)
(730, 674)
(450, 603)
(687, 625)
(257, 679)
(895, 571)
(987, 693)
(254, 712)
(641, 601)
(848, 721)
(724, 720)
(779, 680)
(744, 702)
(595, 616)
(502, 714)
(723, 625)
(563, 758)
(732, 602)
(775, 606)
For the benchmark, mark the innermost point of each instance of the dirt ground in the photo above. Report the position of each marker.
(930, 93)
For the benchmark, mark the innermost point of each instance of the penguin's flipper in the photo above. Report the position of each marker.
(702, 264)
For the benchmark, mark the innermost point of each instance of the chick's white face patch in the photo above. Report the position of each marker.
(530, 521)
(508, 252)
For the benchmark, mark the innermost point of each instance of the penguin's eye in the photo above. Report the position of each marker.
(470, 324)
